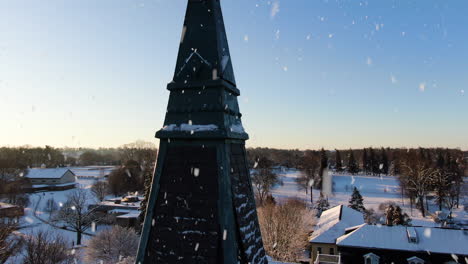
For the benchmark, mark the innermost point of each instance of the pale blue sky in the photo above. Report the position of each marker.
(334, 74)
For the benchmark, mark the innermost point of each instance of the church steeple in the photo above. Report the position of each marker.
(204, 51)
(202, 208)
(203, 101)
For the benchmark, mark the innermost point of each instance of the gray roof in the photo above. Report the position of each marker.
(428, 239)
(56, 173)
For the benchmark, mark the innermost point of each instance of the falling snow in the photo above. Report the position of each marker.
(422, 87)
(275, 9)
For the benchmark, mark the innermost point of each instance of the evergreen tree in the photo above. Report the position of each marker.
(396, 166)
(389, 213)
(356, 202)
(353, 167)
(395, 216)
(373, 162)
(323, 166)
(323, 160)
(338, 161)
(148, 178)
(440, 161)
(321, 205)
(366, 167)
(384, 164)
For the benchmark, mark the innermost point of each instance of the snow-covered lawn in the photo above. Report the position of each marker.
(374, 189)
(38, 203)
(31, 222)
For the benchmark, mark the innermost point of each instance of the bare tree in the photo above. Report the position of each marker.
(47, 248)
(285, 228)
(75, 214)
(116, 245)
(10, 243)
(417, 179)
(452, 198)
(264, 179)
(441, 184)
(128, 260)
(100, 189)
(309, 170)
(51, 207)
(140, 151)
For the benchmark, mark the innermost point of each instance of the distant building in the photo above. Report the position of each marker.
(126, 210)
(93, 172)
(332, 224)
(51, 179)
(128, 219)
(342, 237)
(10, 213)
(377, 244)
(124, 203)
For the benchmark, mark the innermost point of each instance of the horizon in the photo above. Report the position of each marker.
(247, 146)
(356, 74)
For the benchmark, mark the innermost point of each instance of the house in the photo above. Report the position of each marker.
(126, 210)
(124, 203)
(43, 179)
(128, 219)
(10, 213)
(332, 224)
(93, 172)
(378, 244)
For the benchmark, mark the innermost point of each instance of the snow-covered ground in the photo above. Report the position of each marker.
(374, 189)
(38, 203)
(31, 223)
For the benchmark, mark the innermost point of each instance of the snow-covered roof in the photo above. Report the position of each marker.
(92, 171)
(131, 214)
(120, 211)
(55, 185)
(430, 239)
(55, 173)
(6, 205)
(333, 223)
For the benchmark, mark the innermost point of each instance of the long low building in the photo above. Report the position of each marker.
(51, 179)
(375, 244)
(10, 212)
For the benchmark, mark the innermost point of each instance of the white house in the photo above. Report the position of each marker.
(332, 224)
(51, 177)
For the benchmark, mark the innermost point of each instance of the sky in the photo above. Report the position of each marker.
(333, 74)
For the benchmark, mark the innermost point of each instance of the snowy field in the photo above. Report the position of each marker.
(36, 218)
(37, 203)
(374, 189)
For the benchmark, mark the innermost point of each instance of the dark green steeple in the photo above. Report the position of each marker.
(203, 101)
(201, 208)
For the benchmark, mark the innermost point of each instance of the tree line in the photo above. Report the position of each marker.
(423, 173)
(372, 161)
